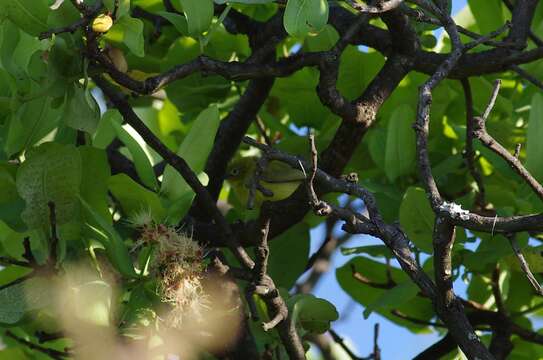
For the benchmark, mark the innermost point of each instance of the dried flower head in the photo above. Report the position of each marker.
(178, 263)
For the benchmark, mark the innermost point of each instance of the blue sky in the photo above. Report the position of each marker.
(395, 342)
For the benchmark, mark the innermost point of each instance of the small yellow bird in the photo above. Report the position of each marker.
(277, 177)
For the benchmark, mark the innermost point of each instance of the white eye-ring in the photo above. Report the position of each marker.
(234, 172)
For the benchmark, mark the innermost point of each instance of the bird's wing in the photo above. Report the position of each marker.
(278, 172)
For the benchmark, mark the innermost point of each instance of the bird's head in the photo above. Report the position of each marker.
(240, 169)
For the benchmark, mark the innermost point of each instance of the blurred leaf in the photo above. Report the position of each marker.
(417, 218)
(100, 230)
(534, 145)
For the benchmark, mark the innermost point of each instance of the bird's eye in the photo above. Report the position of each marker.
(234, 172)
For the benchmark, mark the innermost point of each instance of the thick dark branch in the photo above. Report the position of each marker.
(531, 35)
(393, 237)
(423, 114)
(438, 350)
(448, 306)
(521, 20)
(232, 130)
(88, 14)
(264, 286)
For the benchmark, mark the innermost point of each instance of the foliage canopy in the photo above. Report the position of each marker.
(118, 120)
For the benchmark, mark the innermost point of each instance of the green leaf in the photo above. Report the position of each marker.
(312, 313)
(488, 14)
(130, 30)
(194, 93)
(199, 14)
(376, 272)
(29, 15)
(179, 208)
(13, 305)
(534, 145)
(304, 109)
(141, 161)
(400, 143)
(251, 2)
(51, 173)
(100, 230)
(178, 21)
(356, 70)
(417, 218)
(11, 204)
(94, 179)
(288, 255)
(323, 41)
(32, 121)
(105, 132)
(393, 298)
(30, 294)
(82, 111)
(17, 49)
(134, 198)
(194, 150)
(305, 16)
(122, 10)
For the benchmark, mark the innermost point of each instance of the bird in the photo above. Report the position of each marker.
(277, 177)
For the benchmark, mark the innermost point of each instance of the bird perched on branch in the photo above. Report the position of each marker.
(278, 180)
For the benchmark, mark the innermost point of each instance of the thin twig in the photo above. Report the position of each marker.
(376, 349)
(526, 75)
(524, 265)
(262, 130)
(482, 134)
(341, 342)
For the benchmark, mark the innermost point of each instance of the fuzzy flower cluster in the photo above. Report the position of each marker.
(178, 263)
